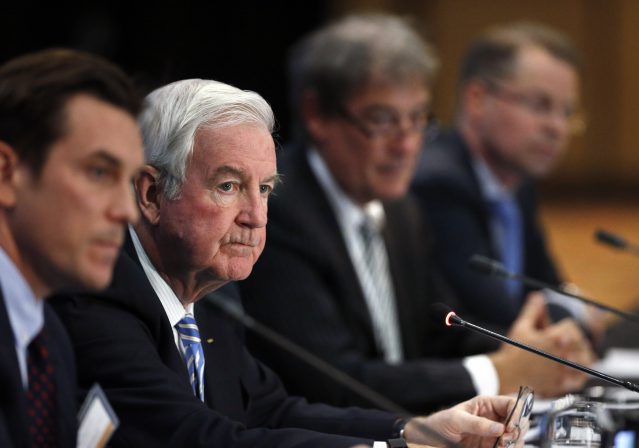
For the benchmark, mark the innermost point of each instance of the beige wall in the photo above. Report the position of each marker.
(606, 157)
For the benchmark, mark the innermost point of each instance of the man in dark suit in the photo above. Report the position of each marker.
(517, 103)
(69, 146)
(362, 89)
(175, 371)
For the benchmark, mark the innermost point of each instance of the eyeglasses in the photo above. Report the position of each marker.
(386, 122)
(540, 105)
(520, 415)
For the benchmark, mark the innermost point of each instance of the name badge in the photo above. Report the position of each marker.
(97, 420)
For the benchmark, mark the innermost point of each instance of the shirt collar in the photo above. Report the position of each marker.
(173, 308)
(348, 212)
(25, 310)
(489, 185)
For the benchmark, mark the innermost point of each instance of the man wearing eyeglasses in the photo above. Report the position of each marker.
(516, 110)
(346, 272)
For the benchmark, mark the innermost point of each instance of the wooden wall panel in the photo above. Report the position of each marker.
(627, 156)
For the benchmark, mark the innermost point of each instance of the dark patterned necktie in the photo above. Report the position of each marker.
(41, 394)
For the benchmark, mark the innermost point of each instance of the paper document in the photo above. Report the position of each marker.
(619, 362)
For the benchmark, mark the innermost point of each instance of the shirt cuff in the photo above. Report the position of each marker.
(483, 374)
(380, 445)
(575, 307)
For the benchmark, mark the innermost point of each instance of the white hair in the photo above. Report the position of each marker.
(174, 113)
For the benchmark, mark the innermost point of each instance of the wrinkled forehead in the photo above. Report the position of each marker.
(248, 147)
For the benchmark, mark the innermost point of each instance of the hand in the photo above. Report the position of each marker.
(517, 367)
(595, 321)
(572, 345)
(591, 317)
(473, 423)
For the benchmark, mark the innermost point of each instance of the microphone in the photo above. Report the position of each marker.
(616, 241)
(493, 267)
(234, 310)
(443, 313)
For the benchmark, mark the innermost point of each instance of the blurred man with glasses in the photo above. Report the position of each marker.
(346, 272)
(517, 107)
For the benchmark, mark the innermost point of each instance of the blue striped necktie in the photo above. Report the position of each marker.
(191, 346)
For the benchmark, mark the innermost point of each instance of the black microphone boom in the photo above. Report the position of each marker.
(235, 311)
(493, 267)
(613, 240)
(450, 319)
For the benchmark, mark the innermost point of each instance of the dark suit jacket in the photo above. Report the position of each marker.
(124, 341)
(305, 286)
(448, 190)
(13, 422)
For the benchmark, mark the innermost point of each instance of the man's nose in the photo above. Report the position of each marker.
(253, 211)
(124, 207)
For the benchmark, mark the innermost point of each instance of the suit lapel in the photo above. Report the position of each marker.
(462, 153)
(65, 378)
(401, 264)
(131, 281)
(12, 394)
(327, 237)
(222, 390)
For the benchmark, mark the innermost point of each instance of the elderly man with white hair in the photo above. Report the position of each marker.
(175, 370)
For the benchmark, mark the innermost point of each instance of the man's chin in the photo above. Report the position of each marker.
(238, 271)
(96, 281)
(393, 193)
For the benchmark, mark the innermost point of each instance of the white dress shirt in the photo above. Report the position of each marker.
(173, 308)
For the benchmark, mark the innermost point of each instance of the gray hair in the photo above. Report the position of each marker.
(174, 113)
(337, 60)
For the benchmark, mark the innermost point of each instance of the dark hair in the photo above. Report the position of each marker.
(35, 88)
(337, 60)
(493, 55)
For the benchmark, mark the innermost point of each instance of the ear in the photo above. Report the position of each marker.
(148, 194)
(314, 121)
(473, 98)
(8, 174)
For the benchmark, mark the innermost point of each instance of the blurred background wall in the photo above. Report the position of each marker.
(245, 43)
(605, 159)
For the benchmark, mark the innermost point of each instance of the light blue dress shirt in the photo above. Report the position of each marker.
(25, 310)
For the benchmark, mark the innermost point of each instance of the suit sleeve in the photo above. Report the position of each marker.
(114, 348)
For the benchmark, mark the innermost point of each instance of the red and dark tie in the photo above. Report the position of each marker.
(41, 395)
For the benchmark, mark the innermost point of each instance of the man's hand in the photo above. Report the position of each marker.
(517, 367)
(473, 423)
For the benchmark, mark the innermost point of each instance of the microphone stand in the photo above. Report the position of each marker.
(486, 265)
(615, 241)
